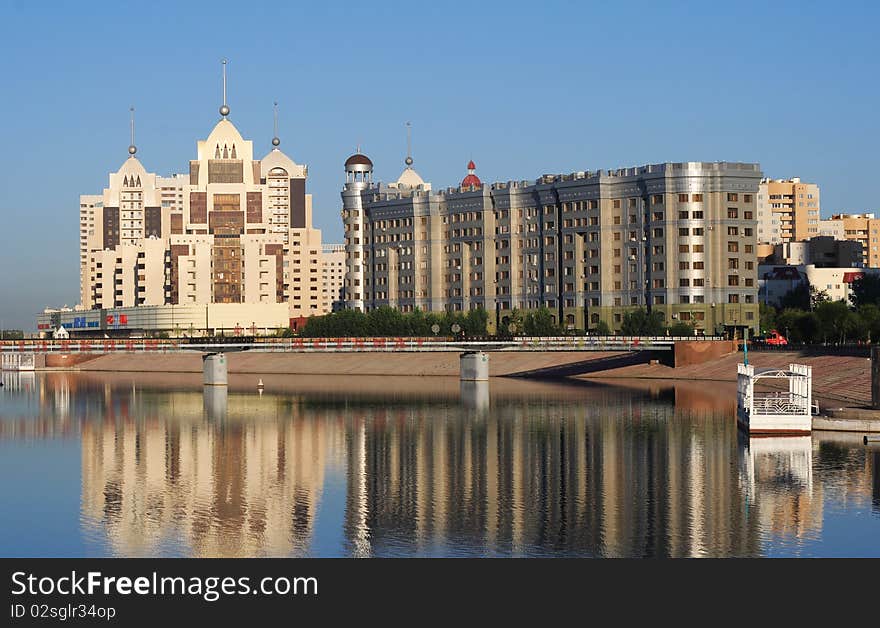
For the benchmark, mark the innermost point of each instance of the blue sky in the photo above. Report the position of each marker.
(522, 88)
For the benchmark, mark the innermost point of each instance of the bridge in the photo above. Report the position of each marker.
(348, 345)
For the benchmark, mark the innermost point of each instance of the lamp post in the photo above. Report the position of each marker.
(497, 311)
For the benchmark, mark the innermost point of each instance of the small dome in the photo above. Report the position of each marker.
(471, 180)
(410, 178)
(358, 160)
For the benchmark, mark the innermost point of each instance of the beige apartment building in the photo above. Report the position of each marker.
(235, 230)
(676, 237)
(788, 210)
(862, 228)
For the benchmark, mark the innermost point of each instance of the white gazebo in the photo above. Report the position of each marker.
(777, 412)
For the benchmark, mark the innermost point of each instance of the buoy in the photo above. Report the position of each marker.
(260, 384)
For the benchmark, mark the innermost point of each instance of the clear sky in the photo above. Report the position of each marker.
(522, 88)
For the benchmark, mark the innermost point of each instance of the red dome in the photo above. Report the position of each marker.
(471, 180)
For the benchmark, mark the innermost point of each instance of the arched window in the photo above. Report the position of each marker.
(125, 181)
(217, 152)
(233, 151)
(138, 184)
(225, 152)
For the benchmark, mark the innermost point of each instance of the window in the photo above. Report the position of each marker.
(684, 282)
(732, 197)
(732, 231)
(616, 220)
(733, 247)
(682, 198)
(616, 205)
(683, 248)
(657, 199)
(733, 298)
(732, 212)
(683, 232)
(697, 198)
(682, 215)
(698, 282)
(698, 266)
(733, 280)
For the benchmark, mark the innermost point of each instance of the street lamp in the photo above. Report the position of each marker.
(497, 311)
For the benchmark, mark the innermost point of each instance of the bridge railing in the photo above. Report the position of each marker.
(141, 345)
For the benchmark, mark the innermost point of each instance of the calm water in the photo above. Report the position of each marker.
(133, 465)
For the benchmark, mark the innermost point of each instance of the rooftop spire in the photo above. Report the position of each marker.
(275, 140)
(132, 149)
(224, 108)
(409, 160)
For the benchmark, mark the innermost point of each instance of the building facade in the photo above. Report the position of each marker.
(235, 230)
(788, 209)
(862, 228)
(675, 237)
(821, 252)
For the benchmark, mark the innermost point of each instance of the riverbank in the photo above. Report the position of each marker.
(836, 379)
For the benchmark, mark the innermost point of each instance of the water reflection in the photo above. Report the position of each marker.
(433, 467)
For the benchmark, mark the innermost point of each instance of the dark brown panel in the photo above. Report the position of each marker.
(256, 171)
(153, 222)
(111, 227)
(226, 222)
(176, 223)
(176, 251)
(255, 207)
(193, 173)
(198, 207)
(278, 251)
(298, 203)
(225, 171)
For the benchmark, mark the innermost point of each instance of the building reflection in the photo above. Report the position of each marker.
(217, 481)
(778, 475)
(518, 470)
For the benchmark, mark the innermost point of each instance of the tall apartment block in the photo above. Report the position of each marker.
(235, 229)
(788, 210)
(675, 237)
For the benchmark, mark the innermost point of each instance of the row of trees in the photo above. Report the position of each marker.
(387, 321)
(807, 315)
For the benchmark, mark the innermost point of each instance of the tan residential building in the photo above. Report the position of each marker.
(333, 275)
(788, 209)
(863, 228)
(675, 237)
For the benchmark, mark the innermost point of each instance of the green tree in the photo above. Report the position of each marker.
(475, 322)
(541, 323)
(803, 297)
(640, 322)
(835, 320)
(866, 291)
(870, 316)
(602, 328)
(681, 328)
(768, 318)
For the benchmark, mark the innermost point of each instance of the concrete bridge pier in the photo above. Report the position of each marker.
(214, 369)
(474, 366)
